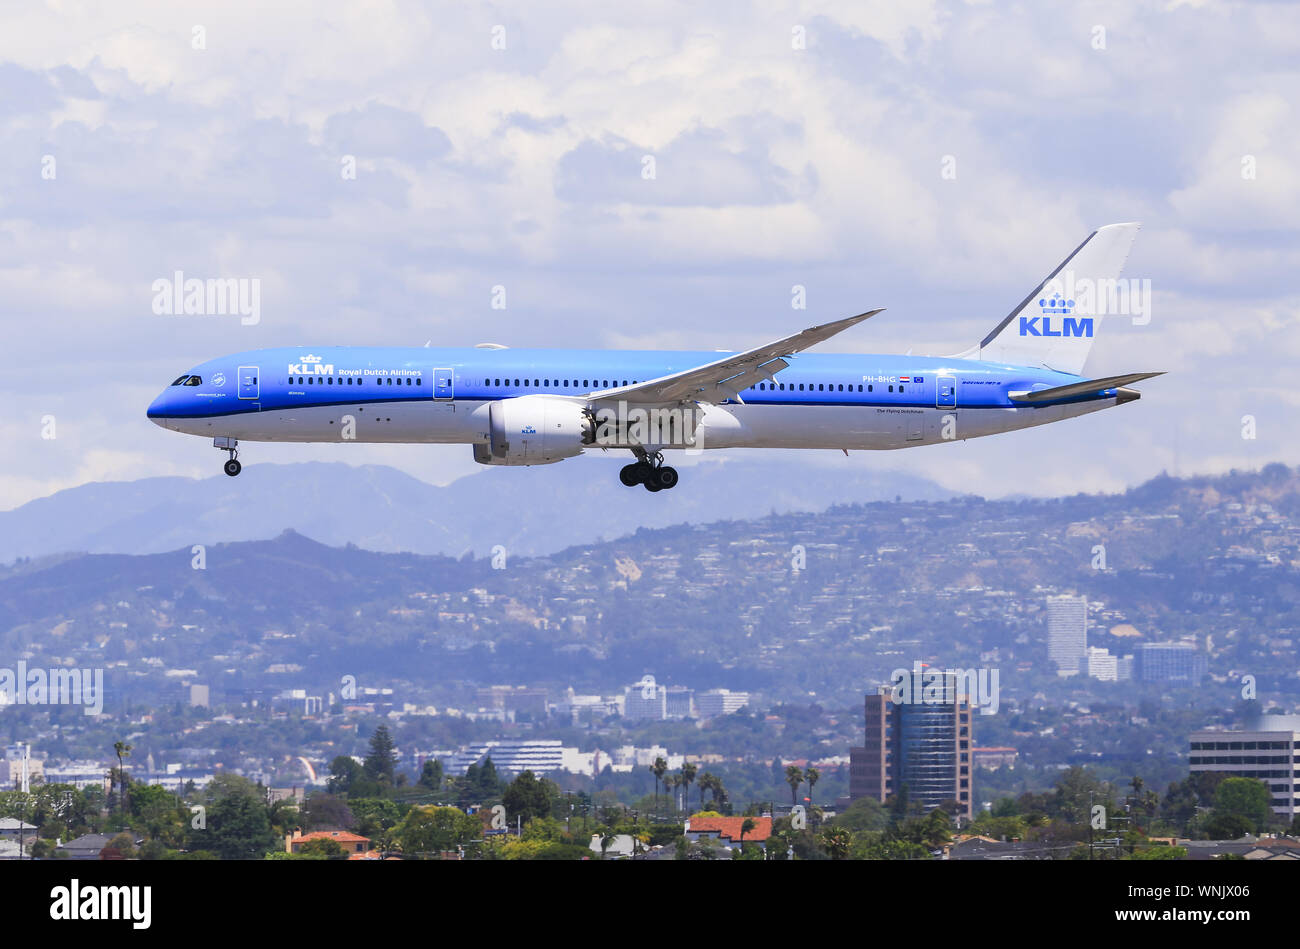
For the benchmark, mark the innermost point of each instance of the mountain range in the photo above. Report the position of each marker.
(530, 512)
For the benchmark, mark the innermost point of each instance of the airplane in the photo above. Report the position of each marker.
(542, 406)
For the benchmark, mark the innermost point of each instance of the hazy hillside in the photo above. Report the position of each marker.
(527, 510)
(793, 604)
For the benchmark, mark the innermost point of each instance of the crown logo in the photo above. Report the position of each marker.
(311, 359)
(1056, 303)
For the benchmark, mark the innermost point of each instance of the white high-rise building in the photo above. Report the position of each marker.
(645, 701)
(1067, 633)
(717, 702)
(1102, 665)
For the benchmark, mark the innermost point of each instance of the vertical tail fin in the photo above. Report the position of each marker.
(1055, 325)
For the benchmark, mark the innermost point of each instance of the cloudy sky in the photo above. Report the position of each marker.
(504, 144)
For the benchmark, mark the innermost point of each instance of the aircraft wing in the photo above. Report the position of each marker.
(1080, 388)
(727, 377)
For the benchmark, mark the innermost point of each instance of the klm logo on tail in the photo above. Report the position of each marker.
(1070, 326)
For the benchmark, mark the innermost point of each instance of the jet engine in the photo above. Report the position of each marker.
(535, 430)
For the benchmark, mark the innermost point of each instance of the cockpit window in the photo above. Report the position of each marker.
(181, 379)
(194, 381)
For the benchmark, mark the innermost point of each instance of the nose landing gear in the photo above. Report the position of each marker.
(231, 445)
(649, 470)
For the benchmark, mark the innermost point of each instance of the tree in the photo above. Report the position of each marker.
(489, 782)
(746, 826)
(159, 812)
(123, 845)
(713, 784)
(431, 774)
(1077, 791)
(659, 768)
(344, 773)
(123, 751)
(670, 785)
(324, 847)
(433, 830)
(327, 812)
(529, 797)
(812, 776)
(1227, 827)
(866, 813)
(837, 841)
(380, 764)
(794, 778)
(1246, 798)
(236, 826)
(374, 816)
(688, 777)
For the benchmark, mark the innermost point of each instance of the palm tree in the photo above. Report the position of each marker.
(837, 842)
(812, 776)
(660, 768)
(746, 826)
(707, 782)
(670, 786)
(794, 778)
(688, 776)
(123, 751)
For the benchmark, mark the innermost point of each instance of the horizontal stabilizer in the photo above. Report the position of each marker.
(1087, 387)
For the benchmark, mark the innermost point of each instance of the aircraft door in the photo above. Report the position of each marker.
(946, 392)
(248, 382)
(444, 384)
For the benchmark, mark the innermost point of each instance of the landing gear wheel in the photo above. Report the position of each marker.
(653, 485)
(630, 475)
(667, 477)
(232, 467)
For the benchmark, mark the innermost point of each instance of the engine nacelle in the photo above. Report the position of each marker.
(535, 430)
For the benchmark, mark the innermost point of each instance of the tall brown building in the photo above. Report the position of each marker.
(923, 745)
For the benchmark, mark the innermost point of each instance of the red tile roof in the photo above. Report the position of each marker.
(340, 835)
(729, 827)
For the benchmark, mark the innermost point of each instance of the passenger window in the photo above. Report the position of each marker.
(498, 382)
(419, 381)
(900, 388)
(820, 387)
(891, 388)
(871, 388)
(801, 387)
(311, 380)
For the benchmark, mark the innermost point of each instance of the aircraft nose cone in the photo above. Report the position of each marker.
(156, 410)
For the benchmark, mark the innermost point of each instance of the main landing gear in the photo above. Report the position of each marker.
(231, 445)
(649, 470)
